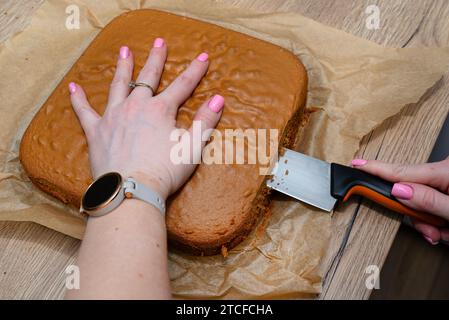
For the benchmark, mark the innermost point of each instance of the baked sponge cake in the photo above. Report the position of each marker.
(264, 86)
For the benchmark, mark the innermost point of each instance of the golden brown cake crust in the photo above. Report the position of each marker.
(264, 86)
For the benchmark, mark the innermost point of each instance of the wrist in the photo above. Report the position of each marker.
(143, 209)
(131, 211)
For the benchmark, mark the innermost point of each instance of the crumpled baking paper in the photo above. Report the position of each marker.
(354, 85)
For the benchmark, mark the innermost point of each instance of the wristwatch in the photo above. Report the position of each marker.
(108, 191)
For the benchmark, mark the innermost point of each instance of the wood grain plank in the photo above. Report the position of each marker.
(413, 256)
(33, 260)
(399, 19)
(14, 14)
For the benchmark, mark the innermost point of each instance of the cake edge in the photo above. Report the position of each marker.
(261, 204)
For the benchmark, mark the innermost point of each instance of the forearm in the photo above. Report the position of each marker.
(124, 255)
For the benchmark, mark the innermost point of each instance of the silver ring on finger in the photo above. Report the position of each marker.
(133, 85)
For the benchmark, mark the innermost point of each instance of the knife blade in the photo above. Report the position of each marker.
(323, 185)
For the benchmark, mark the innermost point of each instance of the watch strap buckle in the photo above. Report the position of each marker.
(133, 189)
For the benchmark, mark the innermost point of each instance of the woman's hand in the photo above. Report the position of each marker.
(424, 187)
(133, 135)
(124, 253)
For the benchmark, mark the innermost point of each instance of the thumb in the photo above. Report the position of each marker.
(87, 116)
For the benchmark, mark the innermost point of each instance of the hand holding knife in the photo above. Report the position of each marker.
(322, 184)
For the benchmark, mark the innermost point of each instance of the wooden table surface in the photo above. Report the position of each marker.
(33, 258)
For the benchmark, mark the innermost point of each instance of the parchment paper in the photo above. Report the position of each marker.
(354, 85)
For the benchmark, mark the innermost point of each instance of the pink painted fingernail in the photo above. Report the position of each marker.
(124, 52)
(72, 87)
(402, 191)
(358, 162)
(429, 240)
(203, 57)
(216, 103)
(158, 42)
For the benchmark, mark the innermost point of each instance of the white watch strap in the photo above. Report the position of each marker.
(136, 190)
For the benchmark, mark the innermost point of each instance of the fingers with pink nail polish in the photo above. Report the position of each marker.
(418, 187)
(203, 57)
(358, 162)
(72, 87)
(402, 191)
(158, 43)
(422, 197)
(124, 52)
(183, 86)
(216, 103)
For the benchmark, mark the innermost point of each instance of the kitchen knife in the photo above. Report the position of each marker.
(322, 184)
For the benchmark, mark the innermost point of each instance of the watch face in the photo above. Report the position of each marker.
(102, 191)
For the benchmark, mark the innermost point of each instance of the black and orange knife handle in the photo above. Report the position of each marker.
(347, 181)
